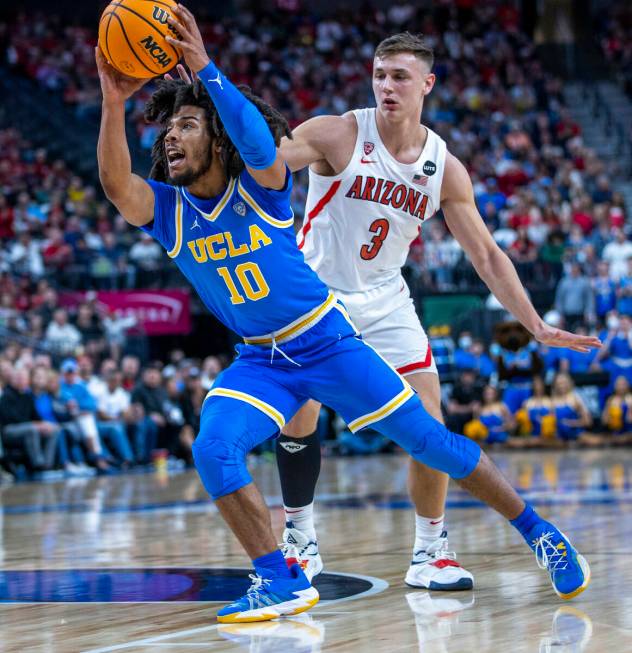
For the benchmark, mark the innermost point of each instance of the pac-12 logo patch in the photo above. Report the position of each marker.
(430, 167)
(240, 208)
(368, 147)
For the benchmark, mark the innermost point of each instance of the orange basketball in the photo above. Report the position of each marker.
(132, 37)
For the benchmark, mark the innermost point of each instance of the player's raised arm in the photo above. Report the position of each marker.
(491, 263)
(243, 122)
(131, 194)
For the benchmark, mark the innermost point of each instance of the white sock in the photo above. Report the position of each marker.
(302, 518)
(427, 530)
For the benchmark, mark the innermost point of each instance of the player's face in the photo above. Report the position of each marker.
(188, 146)
(400, 83)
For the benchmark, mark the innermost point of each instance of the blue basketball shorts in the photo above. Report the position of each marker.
(265, 386)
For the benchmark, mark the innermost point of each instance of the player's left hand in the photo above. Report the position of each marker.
(190, 43)
(553, 337)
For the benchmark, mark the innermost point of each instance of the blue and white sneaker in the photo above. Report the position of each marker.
(569, 571)
(298, 548)
(270, 598)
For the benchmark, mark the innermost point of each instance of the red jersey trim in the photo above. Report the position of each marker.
(320, 205)
(426, 362)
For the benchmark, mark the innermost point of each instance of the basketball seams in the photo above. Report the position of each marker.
(152, 25)
(142, 63)
(107, 29)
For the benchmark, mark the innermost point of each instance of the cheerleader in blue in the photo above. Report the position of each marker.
(495, 416)
(571, 414)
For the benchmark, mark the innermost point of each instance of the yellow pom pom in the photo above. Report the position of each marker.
(524, 423)
(549, 427)
(476, 430)
(615, 417)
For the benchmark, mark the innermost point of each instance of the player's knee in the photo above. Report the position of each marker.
(220, 461)
(430, 442)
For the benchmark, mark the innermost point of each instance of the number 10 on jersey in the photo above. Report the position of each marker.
(250, 279)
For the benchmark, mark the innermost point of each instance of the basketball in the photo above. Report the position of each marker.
(132, 37)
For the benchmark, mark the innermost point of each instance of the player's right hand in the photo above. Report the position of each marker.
(185, 75)
(115, 86)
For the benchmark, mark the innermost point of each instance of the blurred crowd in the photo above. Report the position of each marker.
(518, 393)
(74, 418)
(614, 29)
(546, 198)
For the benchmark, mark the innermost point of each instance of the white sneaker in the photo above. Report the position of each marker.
(298, 549)
(436, 568)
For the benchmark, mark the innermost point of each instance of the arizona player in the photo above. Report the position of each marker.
(375, 175)
(222, 212)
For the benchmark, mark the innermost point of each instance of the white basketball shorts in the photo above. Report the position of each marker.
(387, 320)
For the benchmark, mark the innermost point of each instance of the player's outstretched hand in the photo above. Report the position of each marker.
(185, 75)
(190, 43)
(115, 86)
(553, 337)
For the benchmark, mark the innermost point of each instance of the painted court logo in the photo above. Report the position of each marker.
(291, 447)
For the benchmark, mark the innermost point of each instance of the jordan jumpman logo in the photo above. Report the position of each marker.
(218, 79)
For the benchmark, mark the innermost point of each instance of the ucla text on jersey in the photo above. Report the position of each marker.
(238, 251)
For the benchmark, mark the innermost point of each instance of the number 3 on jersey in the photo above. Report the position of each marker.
(251, 280)
(380, 228)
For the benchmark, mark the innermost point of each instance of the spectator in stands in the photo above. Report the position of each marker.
(536, 419)
(23, 428)
(91, 330)
(146, 255)
(114, 414)
(130, 368)
(617, 413)
(24, 256)
(617, 253)
(82, 405)
(471, 354)
(62, 337)
(53, 411)
(191, 402)
(575, 298)
(572, 417)
(605, 291)
(624, 292)
(465, 400)
(495, 416)
(151, 398)
(83, 429)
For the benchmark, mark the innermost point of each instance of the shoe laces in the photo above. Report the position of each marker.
(548, 555)
(258, 584)
(438, 550)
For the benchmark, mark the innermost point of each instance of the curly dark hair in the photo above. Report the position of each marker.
(171, 95)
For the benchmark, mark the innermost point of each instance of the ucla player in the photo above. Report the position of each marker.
(375, 175)
(223, 215)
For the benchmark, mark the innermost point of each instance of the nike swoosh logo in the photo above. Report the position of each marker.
(301, 510)
(363, 160)
(434, 523)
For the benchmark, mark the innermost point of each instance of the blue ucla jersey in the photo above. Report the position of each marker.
(239, 252)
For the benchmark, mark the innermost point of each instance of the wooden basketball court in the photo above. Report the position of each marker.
(141, 562)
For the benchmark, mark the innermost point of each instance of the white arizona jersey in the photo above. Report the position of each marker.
(360, 223)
